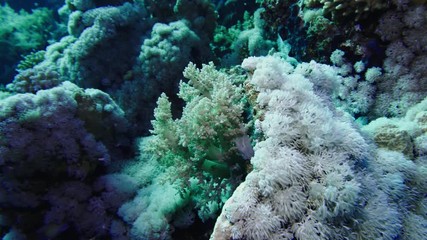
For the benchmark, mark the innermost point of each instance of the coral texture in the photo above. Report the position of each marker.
(342, 8)
(58, 135)
(20, 33)
(34, 79)
(123, 127)
(196, 154)
(405, 79)
(312, 173)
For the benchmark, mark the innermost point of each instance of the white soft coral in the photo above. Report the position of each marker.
(305, 182)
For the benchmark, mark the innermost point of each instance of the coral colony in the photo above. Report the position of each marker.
(220, 120)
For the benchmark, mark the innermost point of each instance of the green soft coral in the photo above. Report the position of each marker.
(30, 60)
(164, 129)
(22, 32)
(212, 117)
(199, 146)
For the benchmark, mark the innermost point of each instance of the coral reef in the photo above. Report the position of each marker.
(31, 60)
(198, 119)
(341, 9)
(303, 174)
(86, 60)
(197, 150)
(243, 39)
(404, 82)
(34, 79)
(170, 48)
(100, 29)
(61, 135)
(21, 33)
(400, 164)
(313, 176)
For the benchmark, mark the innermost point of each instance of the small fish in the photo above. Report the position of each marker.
(244, 146)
